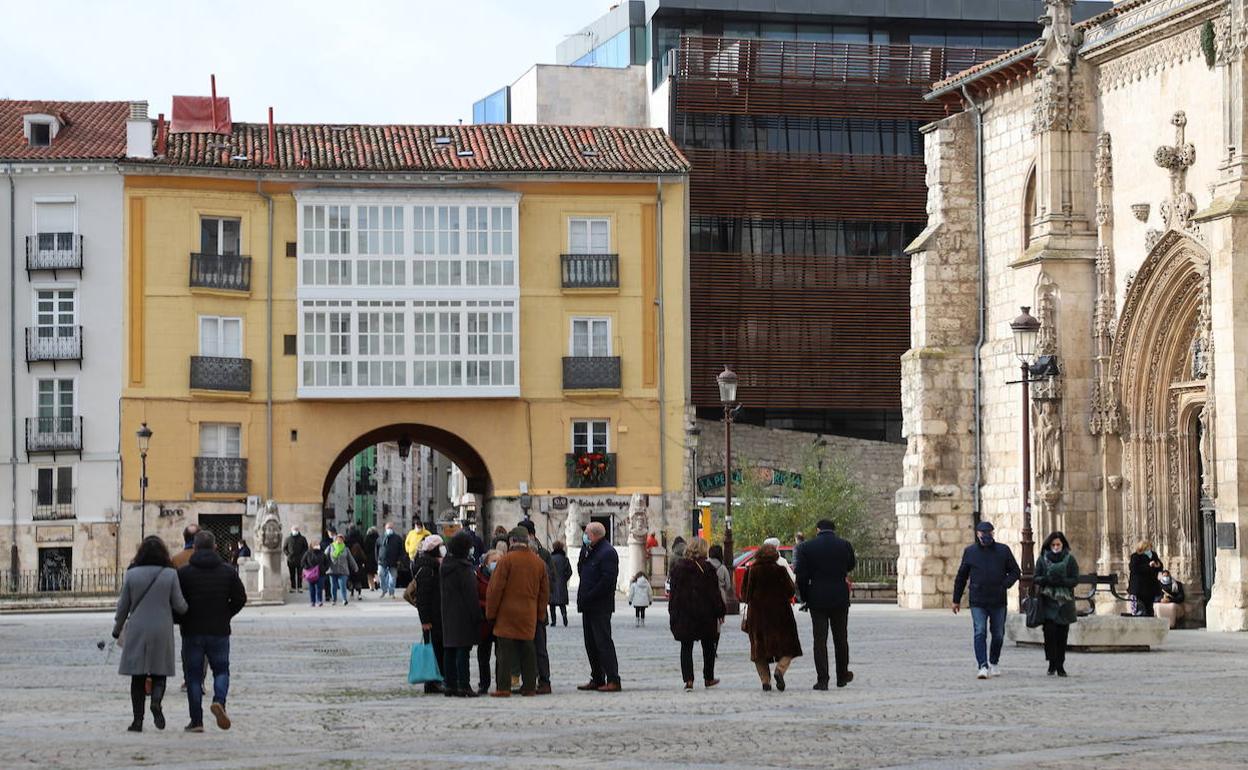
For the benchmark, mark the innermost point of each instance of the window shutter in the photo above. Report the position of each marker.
(209, 336)
(208, 440)
(64, 485)
(232, 337)
(45, 487)
(55, 217)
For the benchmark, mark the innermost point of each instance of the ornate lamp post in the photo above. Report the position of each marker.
(727, 381)
(1026, 328)
(144, 435)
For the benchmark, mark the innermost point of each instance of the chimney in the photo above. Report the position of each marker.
(138, 132)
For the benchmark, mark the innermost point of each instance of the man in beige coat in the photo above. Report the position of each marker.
(516, 603)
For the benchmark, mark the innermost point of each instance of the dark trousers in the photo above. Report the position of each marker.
(1145, 607)
(483, 664)
(296, 576)
(195, 649)
(837, 618)
(455, 667)
(639, 613)
(599, 647)
(543, 655)
(708, 660)
(562, 608)
(523, 649)
(138, 692)
(1055, 636)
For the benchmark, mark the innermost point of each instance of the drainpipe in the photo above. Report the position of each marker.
(14, 564)
(268, 336)
(978, 109)
(658, 300)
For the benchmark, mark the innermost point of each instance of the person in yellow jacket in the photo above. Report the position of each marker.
(414, 538)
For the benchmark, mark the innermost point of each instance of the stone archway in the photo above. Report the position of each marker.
(1161, 369)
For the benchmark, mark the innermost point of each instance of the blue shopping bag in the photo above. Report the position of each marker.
(424, 665)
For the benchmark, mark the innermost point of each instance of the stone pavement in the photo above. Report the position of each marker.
(326, 688)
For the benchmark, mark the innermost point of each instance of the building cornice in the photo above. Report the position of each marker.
(388, 178)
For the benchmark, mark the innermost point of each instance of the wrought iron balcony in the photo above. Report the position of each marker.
(216, 373)
(589, 372)
(221, 474)
(226, 272)
(61, 507)
(54, 251)
(591, 271)
(53, 434)
(594, 469)
(46, 343)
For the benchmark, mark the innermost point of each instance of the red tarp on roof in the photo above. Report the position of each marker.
(193, 114)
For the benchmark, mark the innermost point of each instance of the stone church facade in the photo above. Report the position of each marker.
(1100, 177)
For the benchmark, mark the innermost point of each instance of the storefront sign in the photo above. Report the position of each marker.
(769, 477)
(559, 503)
(54, 534)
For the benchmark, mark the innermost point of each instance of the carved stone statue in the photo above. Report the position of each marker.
(638, 522)
(572, 526)
(268, 537)
(1200, 359)
(1049, 446)
(1060, 38)
(1206, 455)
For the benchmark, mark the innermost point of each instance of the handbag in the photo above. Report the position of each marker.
(423, 665)
(121, 634)
(1034, 608)
(312, 574)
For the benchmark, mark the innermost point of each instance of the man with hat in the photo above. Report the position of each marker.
(991, 569)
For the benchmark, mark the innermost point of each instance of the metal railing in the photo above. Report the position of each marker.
(581, 476)
(60, 505)
(80, 582)
(227, 272)
(53, 434)
(588, 372)
(874, 569)
(49, 343)
(221, 474)
(54, 251)
(218, 373)
(590, 271)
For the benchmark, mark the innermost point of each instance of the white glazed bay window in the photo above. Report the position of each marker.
(408, 294)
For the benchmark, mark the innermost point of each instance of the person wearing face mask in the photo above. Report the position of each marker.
(425, 594)
(1142, 582)
(1057, 574)
(1170, 603)
(461, 614)
(990, 568)
(389, 551)
(293, 549)
(561, 573)
(599, 568)
(489, 563)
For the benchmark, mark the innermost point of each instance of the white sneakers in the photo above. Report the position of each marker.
(983, 673)
(994, 670)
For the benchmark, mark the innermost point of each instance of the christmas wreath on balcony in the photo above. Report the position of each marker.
(591, 468)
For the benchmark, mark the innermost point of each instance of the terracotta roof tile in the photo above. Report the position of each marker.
(403, 148)
(92, 130)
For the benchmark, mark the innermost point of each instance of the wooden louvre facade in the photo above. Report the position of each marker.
(807, 184)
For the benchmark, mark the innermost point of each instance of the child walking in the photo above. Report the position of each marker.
(639, 597)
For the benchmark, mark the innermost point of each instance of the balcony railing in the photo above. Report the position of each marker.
(82, 582)
(221, 474)
(61, 506)
(589, 372)
(60, 343)
(594, 469)
(591, 271)
(53, 434)
(226, 272)
(216, 373)
(54, 251)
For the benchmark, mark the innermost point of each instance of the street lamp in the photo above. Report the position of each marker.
(144, 434)
(1026, 329)
(727, 381)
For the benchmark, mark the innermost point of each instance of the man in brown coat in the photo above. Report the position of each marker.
(517, 597)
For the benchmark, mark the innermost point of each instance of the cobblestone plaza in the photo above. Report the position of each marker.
(327, 688)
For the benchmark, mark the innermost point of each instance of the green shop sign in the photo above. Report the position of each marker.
(770, 477)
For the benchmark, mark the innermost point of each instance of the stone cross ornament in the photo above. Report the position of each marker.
(1177, 210)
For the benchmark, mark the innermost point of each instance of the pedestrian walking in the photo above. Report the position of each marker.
(561, 573)
(599, 568)
(640, 596)
(489, 563)
(341, 565)
(461, 615)
(143, 627)
(768, 592)
(180, 558)
(1057, 574)
(359, 576)
(293, 549)
(823, 567)
(516, 601)
(991, 570)
(1143, 582)
(214, 594)
(314, 568)
(723, 577)
(389, 551)
(370, 556)
(696, 610)
(425, 594)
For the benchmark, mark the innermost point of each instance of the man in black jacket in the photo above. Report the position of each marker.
(599, 568)
(389, 551)
(294, 548)
(823, 567)
(214, 594)
(991, 568)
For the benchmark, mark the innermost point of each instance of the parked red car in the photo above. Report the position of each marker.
(742, 561)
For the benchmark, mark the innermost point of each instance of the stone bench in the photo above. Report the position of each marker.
(1097, 633)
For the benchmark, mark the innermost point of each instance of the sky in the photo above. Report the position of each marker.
(358, 61)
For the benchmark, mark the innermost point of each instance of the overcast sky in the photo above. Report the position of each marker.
(352, 61)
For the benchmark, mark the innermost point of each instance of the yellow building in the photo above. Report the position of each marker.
(512, 296)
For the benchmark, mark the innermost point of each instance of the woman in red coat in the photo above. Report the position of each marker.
(768, 590)
(695, 610)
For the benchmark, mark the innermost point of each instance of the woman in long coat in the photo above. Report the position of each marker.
(425, 594)
(1142, 582)
(560, 574)
(1056, 575)
(461, 615)
(768, 590)
(150, 596)
(695, 610)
